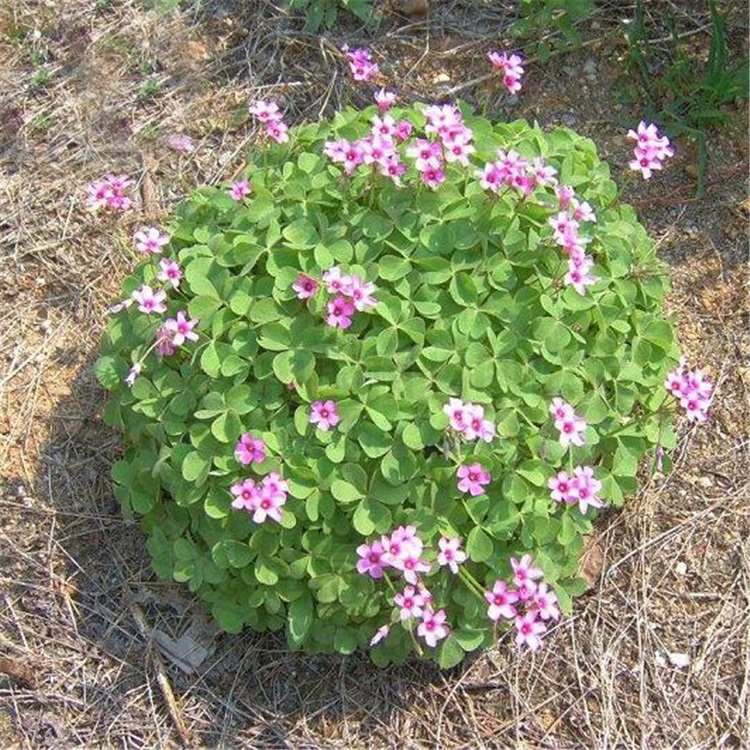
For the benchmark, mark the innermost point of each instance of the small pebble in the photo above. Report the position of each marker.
(569, 120)
(680, 660)
(680, 568)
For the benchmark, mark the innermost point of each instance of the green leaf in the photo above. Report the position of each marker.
(463, 289)
(108, 372)
(450, 652)
(299, 619)
(345, 492)
(479, 546)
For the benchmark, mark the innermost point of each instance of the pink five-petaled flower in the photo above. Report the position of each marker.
(560, 488)
(336, 283)
(583, 489)
(571, 426)
(433, 627)
(380, 633)
(361, 293)
(324, 415)
(361, 64)
(181, 143)
(150, 240)
(411, 564)
(169, 272)
(501, 600)
(578, 275)
(265, 111)
(650, 151)
(410, 602)
(150, 301)
(450, 553)
(511, 69)
(384, 99)
(544, 603)
(181, 329)
(109, 193)
(164, 345)
(271, 497)
(278, 131)
(472, 478)
(245, 495)
(250, 449)
(340, 312)
(402, 543)
(371, 559)
(239, 189)
(455, 410)
(693, 389)
(305, 286)
(528, 631)
(524, 570)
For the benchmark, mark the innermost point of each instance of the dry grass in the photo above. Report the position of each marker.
(675, 570)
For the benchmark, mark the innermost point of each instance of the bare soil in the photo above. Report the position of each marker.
(657, 654)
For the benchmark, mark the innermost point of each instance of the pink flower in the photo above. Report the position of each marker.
(361, 65)
(510, 68)
(384, 99)
(433, 627)
(324, 415)
(109, 193)
(475, 422)
(381, 633)
(529, 630)
(565, 195)
(270, 499)
(181, 328)
(650, 151)
(133, 373)
(336, 283)
(542, 173)
(265, 111)
(181, 143)
(693, 389)
(501, 600)
(410, 603)
(278, 131)
(545, 603)
(490, 177)
(403, 129)
(371, 559)
(361, 293)
(305, 286)
(410, 565)
(560, 486)
(170, 272)
(150, 301)
(472, 478)
(426, 155)
(524, 570)
(250, 449)
(450, 553)
(583, 489)
(433, 177)
(578, 275)
(240, 189)
(403, 543)
(150, 240)
(571, 426)
(245, 495)
(164, 345)
(582, 211)
(393, 168)
(456, 412)
(340, 312)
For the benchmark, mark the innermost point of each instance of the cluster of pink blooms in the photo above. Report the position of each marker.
(693, 389)
(472, 478)
(239, 189)
(250, 449)
(271, 116)
(150, 240)
(511, 68)
(566, 225)
(650, 151)
(109, 193)
(324, 414)
(571, 426)
(264, 500)
(402, 551)
(530, 604)
(580, 489)
(511, 170)
(384, 99)
(360, 64)
(351, 294)
(468, 420)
